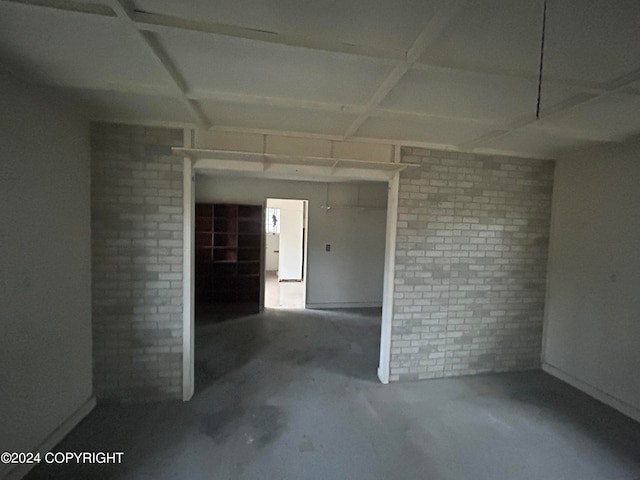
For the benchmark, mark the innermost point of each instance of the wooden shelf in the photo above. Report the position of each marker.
(286, 165)
(229, 241)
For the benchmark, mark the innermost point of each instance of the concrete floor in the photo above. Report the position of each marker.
(282, 294)
(293, 395)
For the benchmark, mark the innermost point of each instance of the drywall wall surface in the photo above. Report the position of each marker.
(351, 272)
(137, 238)
(593, 321)
(45, 267)
(471, 257)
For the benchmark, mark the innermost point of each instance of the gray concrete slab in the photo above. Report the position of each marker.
(292, 394)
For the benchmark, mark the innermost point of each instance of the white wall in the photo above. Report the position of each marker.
(592, 328)
(351, 274)
(45, 280)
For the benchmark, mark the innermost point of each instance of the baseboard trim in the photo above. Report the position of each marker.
(344, 305)
(54, 438)
(604, 397)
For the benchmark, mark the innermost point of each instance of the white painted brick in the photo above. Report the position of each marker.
(143, 193)
(474, 228)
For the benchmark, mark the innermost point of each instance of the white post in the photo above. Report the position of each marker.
(389, 274)
(188, 313)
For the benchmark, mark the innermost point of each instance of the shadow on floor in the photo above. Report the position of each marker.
(344, 342)
(224, 343)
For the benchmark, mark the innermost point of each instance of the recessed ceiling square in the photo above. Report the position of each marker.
(441, 132)
(466, 95)
(219, 63)
(491, 35)
(76, 49)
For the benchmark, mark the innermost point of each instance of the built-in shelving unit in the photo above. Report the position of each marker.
(228, 244)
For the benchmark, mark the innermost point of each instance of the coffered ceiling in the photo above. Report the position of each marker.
(460, 74)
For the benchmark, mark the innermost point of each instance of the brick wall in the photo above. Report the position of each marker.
(136, 214)
(471, 262)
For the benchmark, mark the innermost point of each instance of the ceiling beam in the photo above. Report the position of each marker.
(434, 28)
(124, 9)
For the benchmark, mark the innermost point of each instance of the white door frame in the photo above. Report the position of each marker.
(305, 255)
(188, 314)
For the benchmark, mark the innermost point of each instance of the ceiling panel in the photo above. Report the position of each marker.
(484, 97)
(385, 23)
(491, 34)
(612, 117)
(245, 66)
(104, 105)
(74, 48)
(442, 132)
(482, 74)
(276, 118)
(529, 141)
(592, 40)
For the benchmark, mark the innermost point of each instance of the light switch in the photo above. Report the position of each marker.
(327, 247)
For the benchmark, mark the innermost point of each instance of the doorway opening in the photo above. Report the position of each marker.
(228, 191)
(285, 284)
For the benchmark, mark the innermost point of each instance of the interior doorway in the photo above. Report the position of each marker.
(285, 253)
(229, 193)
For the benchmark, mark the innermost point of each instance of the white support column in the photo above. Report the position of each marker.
(188, 299)
(389, 274)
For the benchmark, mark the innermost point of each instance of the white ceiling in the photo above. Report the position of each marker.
(456, 74)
